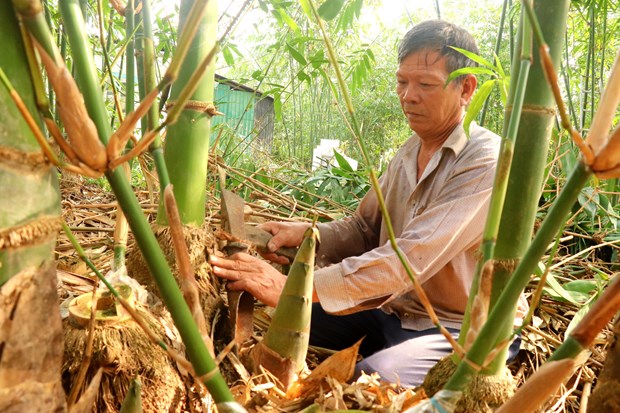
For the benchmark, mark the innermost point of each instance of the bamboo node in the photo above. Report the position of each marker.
(30, 232)
(206, 107)
(506, 264)
(31, 160)
(536, 109)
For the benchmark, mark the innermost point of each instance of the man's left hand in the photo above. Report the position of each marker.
(251, 274)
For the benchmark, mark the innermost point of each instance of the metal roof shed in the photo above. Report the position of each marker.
(247, 111)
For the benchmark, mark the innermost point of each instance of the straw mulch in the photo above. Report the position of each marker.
(90, 211)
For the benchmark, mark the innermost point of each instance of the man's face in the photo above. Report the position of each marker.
(430, 107)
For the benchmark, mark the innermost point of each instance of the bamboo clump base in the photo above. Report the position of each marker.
(125, 352)
(200, 242)
(484, 394)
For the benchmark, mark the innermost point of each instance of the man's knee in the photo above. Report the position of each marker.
(408, 362)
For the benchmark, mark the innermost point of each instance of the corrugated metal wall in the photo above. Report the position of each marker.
(238, 108)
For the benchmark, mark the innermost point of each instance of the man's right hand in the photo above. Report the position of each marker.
(285, 234)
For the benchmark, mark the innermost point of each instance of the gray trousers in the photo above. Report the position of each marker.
(397, 354)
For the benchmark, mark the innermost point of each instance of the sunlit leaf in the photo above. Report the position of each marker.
(351, 12)
(289, 21)
(277, 106)
(342, 162)
(504, 83)
(477, 102)
(303, 76)
(318, 59)
(305, 5)
(296, 54)
(469, 71)
(499, 67)
(478, 59)
(330, 9)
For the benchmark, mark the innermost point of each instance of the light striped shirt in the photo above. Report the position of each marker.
(438, 223)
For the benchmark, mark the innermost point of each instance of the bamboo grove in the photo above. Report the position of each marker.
(56, 120)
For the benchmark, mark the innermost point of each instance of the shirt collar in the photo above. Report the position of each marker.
(457, 139)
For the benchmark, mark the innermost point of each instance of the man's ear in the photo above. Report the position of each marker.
(468, 87)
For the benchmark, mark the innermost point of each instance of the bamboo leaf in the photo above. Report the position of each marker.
(296, 54)
(469, 71)
(305, 6)
(303, 76)
(478, 59)
(499, 67)
(277, 105)
(317, 59)
(342, 162)
(555, 289)
(330, 9)
(283, 16)
(504, 83)
(581, 286)
(228, 56)
(350, 13)
(476, 103)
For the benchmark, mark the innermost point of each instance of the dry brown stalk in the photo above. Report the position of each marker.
(189, 286)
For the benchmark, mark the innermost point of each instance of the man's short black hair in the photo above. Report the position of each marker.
(439, 35)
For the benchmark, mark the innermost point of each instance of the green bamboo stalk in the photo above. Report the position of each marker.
(554, 221)
(204, 365)
(187, 141)
(491, 332)
(121, 232)
(592, 49)
(30, 196)
(611, 185)
(530, 154)
(29, 222)
(587, 80)
(504, 166)
(139, 48)
(525, 182)
(130, 58)
(149, 78)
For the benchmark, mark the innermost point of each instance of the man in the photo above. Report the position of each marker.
(436, 189)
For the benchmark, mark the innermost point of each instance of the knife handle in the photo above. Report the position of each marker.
(260, 238)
